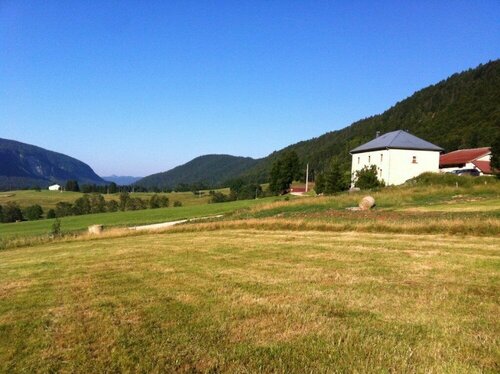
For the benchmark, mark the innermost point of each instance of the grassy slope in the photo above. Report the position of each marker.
(250, 301)
(49, 199)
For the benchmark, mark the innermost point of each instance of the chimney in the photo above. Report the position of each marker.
(377, 134)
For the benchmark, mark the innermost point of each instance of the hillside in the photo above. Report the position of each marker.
(210, 170)
(462, 111)
(24, 165)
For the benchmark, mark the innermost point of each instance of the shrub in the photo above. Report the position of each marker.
(177, 203)
(56, 227)
(448, 179)
(367, 178)
(217, 197)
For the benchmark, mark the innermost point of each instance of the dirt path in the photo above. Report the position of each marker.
(159, 226)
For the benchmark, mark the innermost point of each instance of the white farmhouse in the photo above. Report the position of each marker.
(55, 187)
(398, 157)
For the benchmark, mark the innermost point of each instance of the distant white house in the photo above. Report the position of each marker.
(397, 155)
(467, 159)
(55, 187)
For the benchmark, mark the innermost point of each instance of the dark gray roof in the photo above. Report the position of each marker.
(397, 139)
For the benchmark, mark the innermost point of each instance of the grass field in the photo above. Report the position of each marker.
(299, 285)
(252, 301)
(48, 199)
(127, 218)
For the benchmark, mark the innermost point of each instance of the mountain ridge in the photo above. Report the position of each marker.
(206, 170)
(25, 165)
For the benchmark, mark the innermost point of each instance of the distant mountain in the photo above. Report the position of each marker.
(211, 170)
(24, 165)
(121, 180)
(462, 111)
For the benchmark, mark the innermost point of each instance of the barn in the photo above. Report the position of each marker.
(467, 159)
(397, 155)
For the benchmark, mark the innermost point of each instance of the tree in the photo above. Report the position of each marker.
(367, 178)
(154, 202)
(33, 212)
(319, 184)
(1, 214)
(495, 155)
(112, 188)
(124, 198)
(111, 206)
(82, 205)
(97, 203)
(284, 171)
(63, 209)
(334, 179)
(72, 185)
(135, 203)
(51, 213)
(240, 190)
(12, 212)
(163, 201)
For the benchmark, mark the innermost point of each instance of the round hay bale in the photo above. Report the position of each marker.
(95, 229)
(367, 203)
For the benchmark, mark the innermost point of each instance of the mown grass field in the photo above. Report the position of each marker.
(299, 285)
(252, 301)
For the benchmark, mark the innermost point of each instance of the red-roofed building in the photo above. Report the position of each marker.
(466, 159)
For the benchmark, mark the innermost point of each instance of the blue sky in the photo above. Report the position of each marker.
(137, 87)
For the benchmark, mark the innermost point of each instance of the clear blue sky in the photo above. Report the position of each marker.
(137, 87)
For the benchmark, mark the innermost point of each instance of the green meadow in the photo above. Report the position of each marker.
(72, 224)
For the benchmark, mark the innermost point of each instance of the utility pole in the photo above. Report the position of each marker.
(307, 177)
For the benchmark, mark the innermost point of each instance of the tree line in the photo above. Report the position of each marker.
(86, 204)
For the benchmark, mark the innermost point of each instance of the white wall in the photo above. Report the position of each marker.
(396, 166)
(403, 167)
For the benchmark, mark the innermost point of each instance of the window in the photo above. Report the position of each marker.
(369, 157)
(381, 157)
(358, 159)
(414, 160)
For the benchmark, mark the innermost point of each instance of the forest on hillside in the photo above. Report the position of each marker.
(462, 111)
